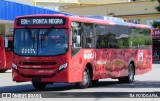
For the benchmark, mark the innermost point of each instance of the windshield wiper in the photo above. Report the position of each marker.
(28, 30)
(49, 30)
(42, 38)
(30, 35)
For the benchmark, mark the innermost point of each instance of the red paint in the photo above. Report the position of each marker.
(2, 53)
(106, 63)
(155, 32)
(5, 56)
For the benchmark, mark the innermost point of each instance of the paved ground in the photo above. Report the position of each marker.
(148, 83)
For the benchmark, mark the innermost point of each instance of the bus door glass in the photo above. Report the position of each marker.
(76, 37)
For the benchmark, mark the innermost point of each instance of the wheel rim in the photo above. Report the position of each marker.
(131, 73)
(85, 80)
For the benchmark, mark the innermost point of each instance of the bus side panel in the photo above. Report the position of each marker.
(109, 63)
(106, 63)
(143, 61)
(9, 57)
(2, 53)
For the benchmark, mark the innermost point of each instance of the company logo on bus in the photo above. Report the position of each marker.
(40, 21)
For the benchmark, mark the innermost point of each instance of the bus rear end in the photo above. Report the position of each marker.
(41, 50)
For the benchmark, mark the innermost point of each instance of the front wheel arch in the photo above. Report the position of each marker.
(87, 77)
(131, 73)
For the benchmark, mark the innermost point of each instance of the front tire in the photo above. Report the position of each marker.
(131, 73)
(86, 80)
(39, 85)
(130, 77)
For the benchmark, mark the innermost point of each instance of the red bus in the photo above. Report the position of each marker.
(5, 53)
(80, 50)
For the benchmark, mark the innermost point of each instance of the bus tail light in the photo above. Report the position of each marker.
(14, 66)
(62, 66)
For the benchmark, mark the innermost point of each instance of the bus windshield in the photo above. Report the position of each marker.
(40, 42)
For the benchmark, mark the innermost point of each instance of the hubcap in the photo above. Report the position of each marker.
(85, 78)
(131, 73)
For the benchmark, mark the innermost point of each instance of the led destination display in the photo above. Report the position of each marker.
(40, 21)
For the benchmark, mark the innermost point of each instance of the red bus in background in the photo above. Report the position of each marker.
(80, 50)
(156, 44)
(5, 53)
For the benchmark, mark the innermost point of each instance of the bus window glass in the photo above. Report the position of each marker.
(140, 38)
(89, 35)
(123, 37)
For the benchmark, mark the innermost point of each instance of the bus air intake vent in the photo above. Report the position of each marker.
(37, 63)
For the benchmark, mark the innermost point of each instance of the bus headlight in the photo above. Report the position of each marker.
(14, 66)
(62, 66)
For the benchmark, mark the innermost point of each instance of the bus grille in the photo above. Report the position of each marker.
(37, 63)
(37, 76)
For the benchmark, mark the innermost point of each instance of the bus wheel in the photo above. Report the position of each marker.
(130, 77)
(39, 85)
(86, 80)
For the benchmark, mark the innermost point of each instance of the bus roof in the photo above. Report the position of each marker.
(107, 21)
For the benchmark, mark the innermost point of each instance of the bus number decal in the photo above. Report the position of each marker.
(140, 55)
(28, 50)
(88, 54)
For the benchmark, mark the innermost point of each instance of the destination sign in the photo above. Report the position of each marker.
(40, 21)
